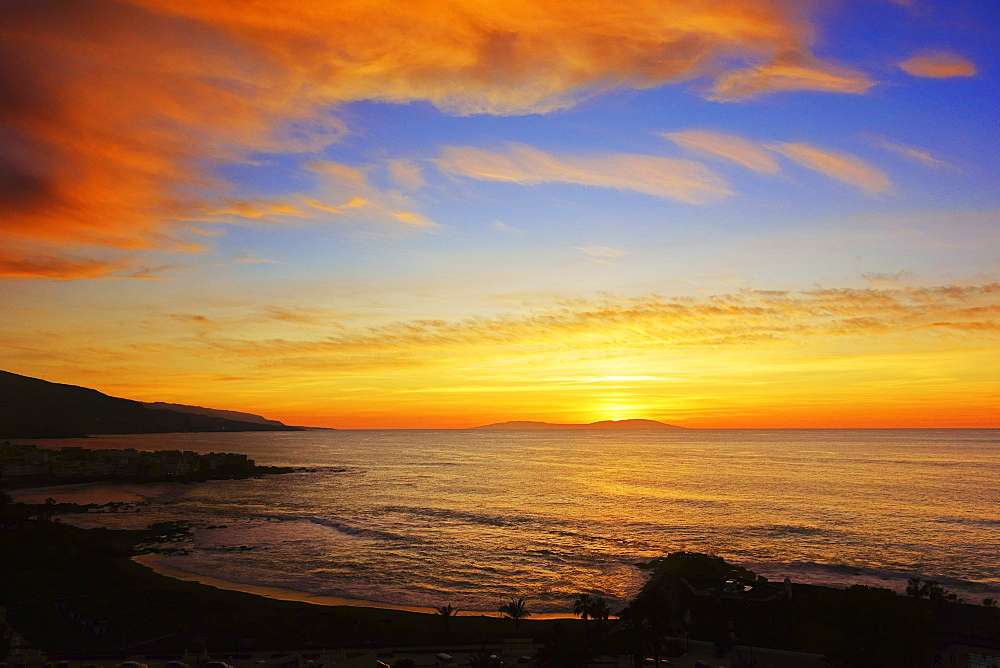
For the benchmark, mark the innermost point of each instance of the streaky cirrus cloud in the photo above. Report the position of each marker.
(684, 180)
(602, 254)
(736, 149)
(938, 65)
(60, 267)
(839, 166)
(789, 71)
(622, 326)
(248, 258)
(113, 112)
(342, 192)
(911, 153)
(348, 191)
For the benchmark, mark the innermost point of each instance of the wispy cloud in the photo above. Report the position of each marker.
(345, 191)
(348, 192)
(234, 210)
(303, 315)
(254, 259)
(840, 166)
(60, 267)
(911, 153)
(884, 280)
(195, 319)
(736, 149)
(684, 180)
(938, 65)
(602, 254)
(501, 226)
(407, 173)
(792, 70)
(758, 156)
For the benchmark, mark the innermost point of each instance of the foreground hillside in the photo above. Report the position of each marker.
(33, 408)
(65, 582)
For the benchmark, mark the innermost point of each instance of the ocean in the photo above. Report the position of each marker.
(472, 518)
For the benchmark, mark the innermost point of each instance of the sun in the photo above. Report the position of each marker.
(617, 411)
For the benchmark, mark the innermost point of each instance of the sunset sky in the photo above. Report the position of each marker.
(444, 213)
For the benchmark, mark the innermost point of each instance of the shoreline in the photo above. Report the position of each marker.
(155, 563)
(96, 492)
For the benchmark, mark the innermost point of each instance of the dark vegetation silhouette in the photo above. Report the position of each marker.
(515, 610)
(446, 613)
(589, 607)
(931, 590)
(582, 607)
(600, 610)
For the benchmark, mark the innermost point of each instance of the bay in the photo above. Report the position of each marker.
(470, 518)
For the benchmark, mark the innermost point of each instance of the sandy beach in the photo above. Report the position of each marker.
(155, 563)
(90, 492)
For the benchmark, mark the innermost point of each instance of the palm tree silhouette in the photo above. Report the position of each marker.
(447, 612)
(641, 635)
(582, 607)
(599, 610)
(514, 610)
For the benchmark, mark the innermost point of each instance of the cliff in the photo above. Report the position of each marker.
(33, 408)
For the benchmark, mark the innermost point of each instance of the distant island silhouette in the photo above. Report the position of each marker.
(633, 424)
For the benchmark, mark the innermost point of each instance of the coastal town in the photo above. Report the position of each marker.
(23, 465)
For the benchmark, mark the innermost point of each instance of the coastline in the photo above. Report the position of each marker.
(89, 492)
(155, 563)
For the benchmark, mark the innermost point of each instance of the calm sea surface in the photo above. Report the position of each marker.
(470, 518)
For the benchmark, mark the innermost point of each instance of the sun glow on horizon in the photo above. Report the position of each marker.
(451, 213)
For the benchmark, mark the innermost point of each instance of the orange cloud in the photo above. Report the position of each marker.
(938, 65)
(347, 191)
(342, 190)
(735, 149)
(254, 209)
(683, 180)
(55, 266)
(840, 166)
(468, 57)
(111, 112)
(792, 70)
